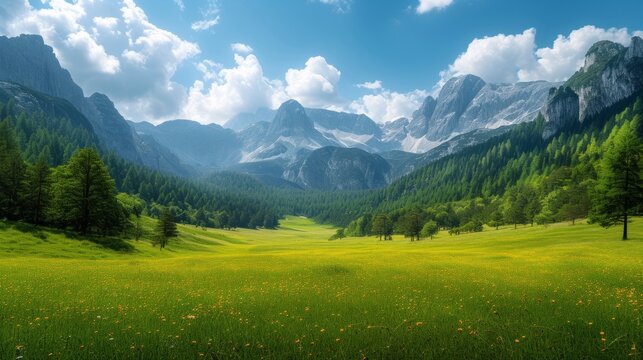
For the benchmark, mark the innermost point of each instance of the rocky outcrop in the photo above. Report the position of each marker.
(333, 168)
(419, 125)
(26, 60)
(468, 103)
(611, 73)
(113, 130)
(561, 109)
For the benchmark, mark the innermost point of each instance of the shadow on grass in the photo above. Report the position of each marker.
(108, 242)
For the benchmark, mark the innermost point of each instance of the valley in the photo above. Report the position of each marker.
(321, 179)
(535, 292)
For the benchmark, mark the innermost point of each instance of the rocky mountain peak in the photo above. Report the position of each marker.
(26, 60)
(291, 118)
(611, 73)
(636, 49)
(600, 53)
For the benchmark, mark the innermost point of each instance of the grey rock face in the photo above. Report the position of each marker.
(467, 103)
(201, 146)
(332, 168)
(26, 60)
(454, 98)
(611, 73)
(561, 109)
(357, 124)
(419, 126)
(112, 128)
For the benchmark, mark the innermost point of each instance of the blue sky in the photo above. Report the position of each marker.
(380, 39)
(163, 59)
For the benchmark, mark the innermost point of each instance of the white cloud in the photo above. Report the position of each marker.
(495, 58)
(240, 48)
(243, 88)
(567, 54)
(341, 6)
(180, 4)
(104, 44)
(425, 6)
(388, 105)
(315, 85)
(511, 58)
(210, 16)
(373, 85)
(202, 25)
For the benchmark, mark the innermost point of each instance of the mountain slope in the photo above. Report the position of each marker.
(290, 135)
(333, 168)
(468, 103)
(610, 74)
(26, 60)
(201, 146)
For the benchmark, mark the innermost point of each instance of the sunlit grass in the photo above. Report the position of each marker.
(558, 292)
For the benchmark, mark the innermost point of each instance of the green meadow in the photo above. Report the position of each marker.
(562, 291)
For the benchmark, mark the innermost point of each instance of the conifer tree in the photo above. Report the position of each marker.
(619, 190)
(37, 191)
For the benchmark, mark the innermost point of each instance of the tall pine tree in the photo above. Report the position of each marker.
(619, 191)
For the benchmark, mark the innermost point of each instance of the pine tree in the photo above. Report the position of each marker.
(12, 173)
(619, 190)
(84, 194)
(165, 228)
(38, 191)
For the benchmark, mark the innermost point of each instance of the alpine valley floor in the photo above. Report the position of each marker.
(562, 291)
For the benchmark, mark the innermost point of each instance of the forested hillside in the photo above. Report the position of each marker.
(478, 185)
(52, 136)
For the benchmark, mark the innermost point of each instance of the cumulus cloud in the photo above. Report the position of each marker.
(386, 105)
(511, 58)
(567, 53)
(373, 85)
(424, 6)
(495, 58)
(242, 88)
(315, 85)
(224, 92)
(111, 47)
(240, 48)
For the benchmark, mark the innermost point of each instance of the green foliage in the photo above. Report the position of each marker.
(37, 189)
(382, 226)
(338, 235)
(12, 173)
(619, 192)
(84, 195)
(412, 223)
(429, 229)
(165, 228)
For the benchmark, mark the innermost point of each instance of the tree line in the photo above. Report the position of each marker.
(595, 174)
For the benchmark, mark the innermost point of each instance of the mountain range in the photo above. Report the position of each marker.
(323, 149)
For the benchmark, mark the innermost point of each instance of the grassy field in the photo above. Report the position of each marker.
(558, 292)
